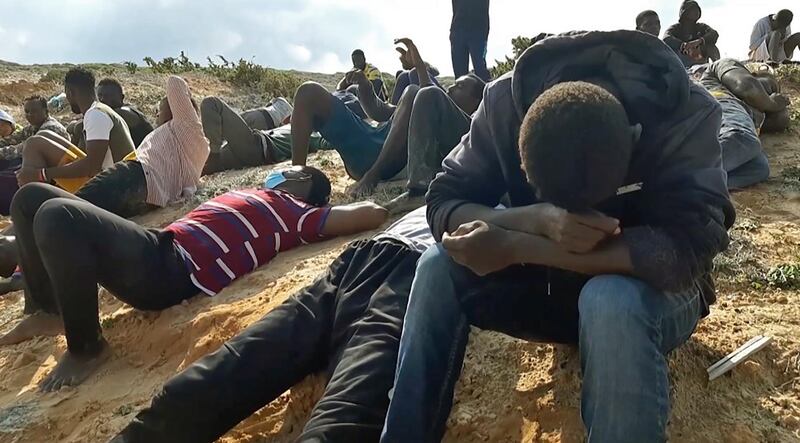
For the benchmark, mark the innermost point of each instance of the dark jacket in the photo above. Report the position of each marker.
(678, 222)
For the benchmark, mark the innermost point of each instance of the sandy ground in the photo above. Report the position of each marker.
(510, 390)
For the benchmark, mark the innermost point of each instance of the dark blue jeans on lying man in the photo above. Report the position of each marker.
(742, 156)
(624, 329)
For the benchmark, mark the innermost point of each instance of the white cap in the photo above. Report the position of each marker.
(6, 117)
(280, 109)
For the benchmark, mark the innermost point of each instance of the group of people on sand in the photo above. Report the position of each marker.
(771, 40)
(579, 199)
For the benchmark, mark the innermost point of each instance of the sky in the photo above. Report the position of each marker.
(317, 35)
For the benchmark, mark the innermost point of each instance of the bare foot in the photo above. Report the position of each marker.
(8, 255)
(11, 284)
(405, 202)
(72, 369)
(38, 324)
(361, 188)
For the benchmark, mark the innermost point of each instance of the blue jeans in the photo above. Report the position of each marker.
(624, 329)
(742, 156)
(465, 45)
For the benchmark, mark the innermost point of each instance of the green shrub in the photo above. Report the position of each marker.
(270, 82)
(785, 276)
(172, 65)
(519, 45)
(54, 75)
(131, 67)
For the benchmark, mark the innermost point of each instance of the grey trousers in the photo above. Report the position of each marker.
(234, 144)
(437, 125)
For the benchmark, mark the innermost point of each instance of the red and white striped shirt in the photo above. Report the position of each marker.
(235, 233)
(174, 154)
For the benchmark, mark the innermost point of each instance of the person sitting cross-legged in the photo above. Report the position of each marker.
(750, 105)
(69, 246)
(608, 155)
(427, 124)
(345, 325)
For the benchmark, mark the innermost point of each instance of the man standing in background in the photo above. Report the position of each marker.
(469, 34)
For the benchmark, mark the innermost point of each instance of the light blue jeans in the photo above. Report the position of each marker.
(624, 329)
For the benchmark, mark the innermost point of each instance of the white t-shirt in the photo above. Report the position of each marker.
(97, 124)
(412, 229)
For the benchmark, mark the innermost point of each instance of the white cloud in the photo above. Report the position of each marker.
(320, 34)
(22, 39)
(298, 53)
(329, 62)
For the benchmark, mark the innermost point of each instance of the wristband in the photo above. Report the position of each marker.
(43, 176)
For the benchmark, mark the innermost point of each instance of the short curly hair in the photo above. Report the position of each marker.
(80, 78)
(575, 144)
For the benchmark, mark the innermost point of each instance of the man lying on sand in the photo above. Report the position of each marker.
(772, 39)
(48, 156)
(610, 158)
(276, 113)
(694, 42)
(374, 153)
(346, 325)
(749, 105)
(69, 246)
(236, 144)
(166, 165)
(427, 124)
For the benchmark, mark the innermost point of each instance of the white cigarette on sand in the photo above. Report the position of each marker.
(733, 359)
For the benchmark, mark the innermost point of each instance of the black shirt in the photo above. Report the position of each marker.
(470, 16)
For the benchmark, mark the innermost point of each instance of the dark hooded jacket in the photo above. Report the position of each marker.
(677, 223)
(677, 35)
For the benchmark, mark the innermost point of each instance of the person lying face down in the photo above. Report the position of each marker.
(345, 325)
(772, 39)
(750, 105)
(68, 246)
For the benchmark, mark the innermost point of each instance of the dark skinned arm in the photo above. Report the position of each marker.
(374, 107)
(419, 64)
(85, 167)
(745, 86)
(354, 218)
(611, 257)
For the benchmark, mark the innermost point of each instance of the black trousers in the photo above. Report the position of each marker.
(67, 246)
(346, 324)
(120, 189)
